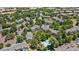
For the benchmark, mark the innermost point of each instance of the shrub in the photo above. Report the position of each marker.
(1, 45)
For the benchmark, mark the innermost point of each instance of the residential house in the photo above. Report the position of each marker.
(29, 35)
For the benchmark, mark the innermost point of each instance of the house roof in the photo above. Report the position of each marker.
(14, 47)
(45, 27)
(73, 29)
(58, 19)
(77, 41)
(33, 28)
(53, 31)
(29, 35)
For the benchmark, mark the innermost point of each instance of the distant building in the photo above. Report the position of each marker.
(2, 9)
(7, 10)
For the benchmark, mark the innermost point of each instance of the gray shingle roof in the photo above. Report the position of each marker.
(58, 19)
(77, 41)
(53, 31)
(33, 28)
(18, 46)
(45, 27)
(29, 35)
(73, 29)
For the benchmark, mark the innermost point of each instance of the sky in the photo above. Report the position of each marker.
(39, 3)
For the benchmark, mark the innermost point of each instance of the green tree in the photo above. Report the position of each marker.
(1, 45)
(75, 36)
(5, 32)
(5, 26)
(78, 34)
(55, 25)
(54, 42)
(9, 36)
(24, 33)
(39, 21)
(69, 38)
(42, 36)
(22, 26)
(33, 44)
(51, 47)
(19, 38)
(13, 28)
